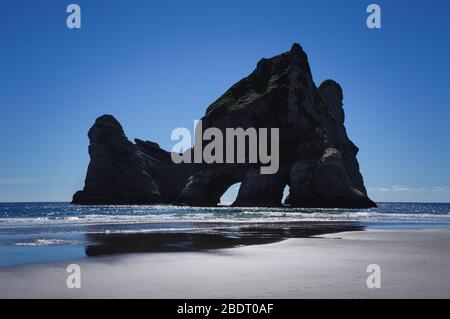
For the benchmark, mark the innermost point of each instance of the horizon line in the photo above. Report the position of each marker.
(68, 202)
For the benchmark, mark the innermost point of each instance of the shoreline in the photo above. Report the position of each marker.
(175, 237)
(414, 264)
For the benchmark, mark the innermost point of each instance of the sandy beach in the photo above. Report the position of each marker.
(414, 264)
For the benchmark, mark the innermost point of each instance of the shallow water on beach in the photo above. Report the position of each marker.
(40, 232)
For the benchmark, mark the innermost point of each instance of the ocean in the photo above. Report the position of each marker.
(45, 232)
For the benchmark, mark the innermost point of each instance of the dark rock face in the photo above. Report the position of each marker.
(317, 159)
(121, 172)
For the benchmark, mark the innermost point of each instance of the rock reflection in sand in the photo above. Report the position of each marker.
(209, 237)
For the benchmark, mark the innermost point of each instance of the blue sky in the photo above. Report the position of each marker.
(157, 65)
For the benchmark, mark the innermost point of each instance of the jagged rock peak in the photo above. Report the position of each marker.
(297, 48)
(105, 125)
(331, 92)
(108, 122)
(331, 84)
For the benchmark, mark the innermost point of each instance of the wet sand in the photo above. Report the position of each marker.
(414, 264)
(209, 237)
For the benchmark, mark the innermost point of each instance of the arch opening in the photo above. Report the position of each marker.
(285, 194)
(230, 195)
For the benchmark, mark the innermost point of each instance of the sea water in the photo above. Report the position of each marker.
(42, 232)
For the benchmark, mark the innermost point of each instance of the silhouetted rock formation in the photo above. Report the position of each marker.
(317, 159)
(121, 172)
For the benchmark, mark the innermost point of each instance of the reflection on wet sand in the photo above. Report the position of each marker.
(206, 238)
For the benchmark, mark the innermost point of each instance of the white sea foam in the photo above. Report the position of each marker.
(66, 215)
(244, 216)
(47, 242)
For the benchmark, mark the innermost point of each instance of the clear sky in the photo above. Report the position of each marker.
(157, 65)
